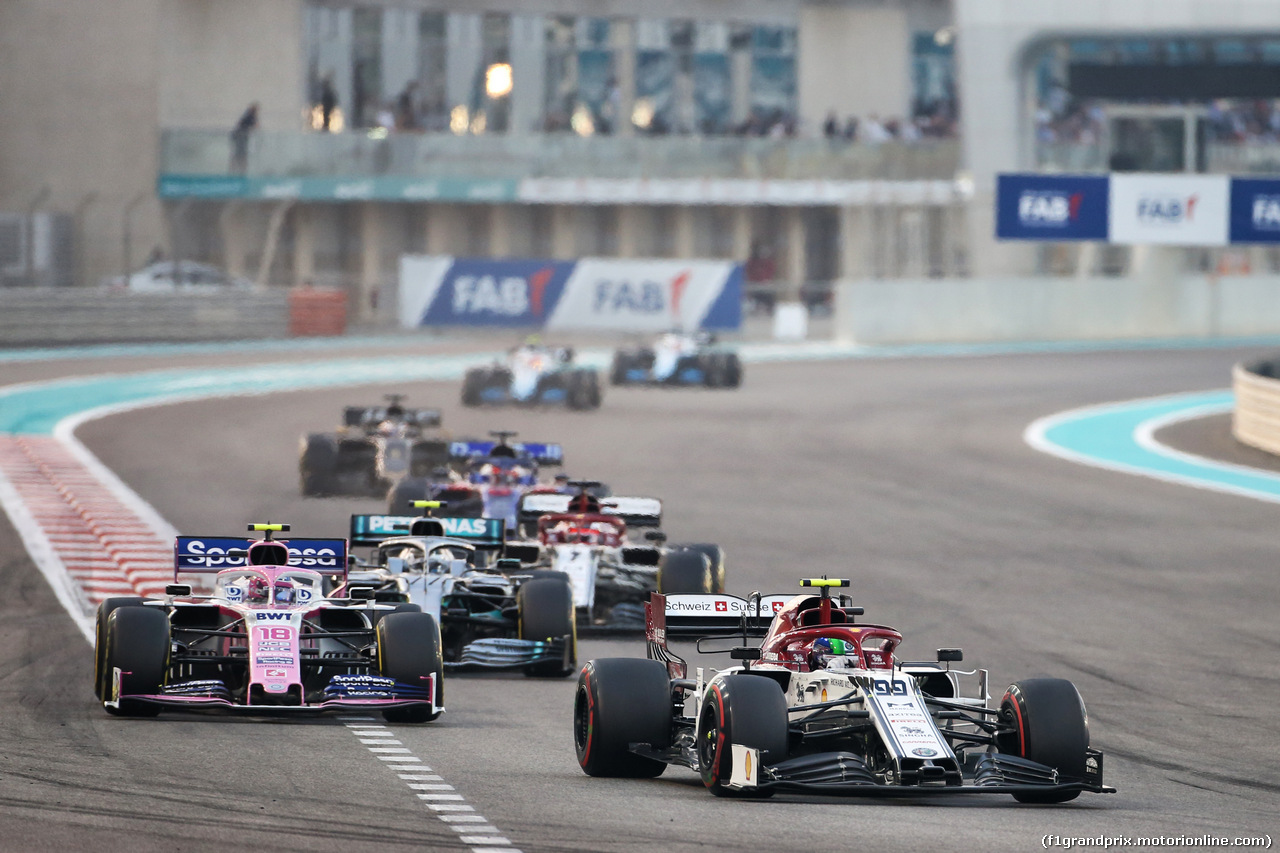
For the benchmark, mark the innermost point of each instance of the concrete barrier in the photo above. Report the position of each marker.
(1256, 419)
(42, 316)
(1021, 309)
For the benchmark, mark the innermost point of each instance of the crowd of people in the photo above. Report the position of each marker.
(939, 122)
(1061, 118)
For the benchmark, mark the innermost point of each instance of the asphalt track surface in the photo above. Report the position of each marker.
(909, 476)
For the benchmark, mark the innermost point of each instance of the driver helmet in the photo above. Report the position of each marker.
(829, 650)
(286, 592)
(257, 591)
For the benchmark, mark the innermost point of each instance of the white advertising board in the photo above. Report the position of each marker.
(1170, 210)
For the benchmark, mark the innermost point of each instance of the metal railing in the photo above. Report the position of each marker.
(437, 155)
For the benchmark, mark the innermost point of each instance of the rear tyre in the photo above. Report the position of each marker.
(618, 370)
(584, 390)
(744, 709)
(732, 376)
(138, 645)
(684, 571)
(621, 701)
(408, 651)
(545, 607)
(102, 675)
(472, 384)
(1049, 726)
(318, 465)
(402, 495)
(714, 555)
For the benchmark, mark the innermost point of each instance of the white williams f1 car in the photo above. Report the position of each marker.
(824, 705)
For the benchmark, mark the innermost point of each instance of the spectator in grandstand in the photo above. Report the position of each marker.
(328, 103)
(240, 138)
(831, 127)
(407, 107)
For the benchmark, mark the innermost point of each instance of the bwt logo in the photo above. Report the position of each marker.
(642, 297)
(508, 296)
(1049, 207)
(1167, 210)
(1266, 212)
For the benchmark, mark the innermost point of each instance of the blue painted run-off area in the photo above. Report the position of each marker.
(1112, 436)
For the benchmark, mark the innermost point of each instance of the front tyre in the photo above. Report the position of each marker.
(621, 701)
(545, 607)
(749, 710)
(715, 556)
(318, 465)
(102, 675)
(684, 571)
(137, 645)
(409, 651)
(1048, 725)
(401, 496)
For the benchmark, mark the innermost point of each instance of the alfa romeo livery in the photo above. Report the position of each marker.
(823, 704)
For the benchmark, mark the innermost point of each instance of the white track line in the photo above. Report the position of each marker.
(440, 797)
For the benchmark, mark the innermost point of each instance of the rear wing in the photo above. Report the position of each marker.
(635, 512)
(540, 452)
(208, 554)
(369, 530)
(702, 614)
(362, 415)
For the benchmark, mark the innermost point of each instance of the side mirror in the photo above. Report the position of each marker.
(360, 593)
(177, 589)
(744, 653)
(950, 655)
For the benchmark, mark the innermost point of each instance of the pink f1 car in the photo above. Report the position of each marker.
(267, 640)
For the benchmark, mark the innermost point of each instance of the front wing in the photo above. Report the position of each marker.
(496, 653)
(370, 692)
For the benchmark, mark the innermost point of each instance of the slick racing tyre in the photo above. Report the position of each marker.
(584, 390)
(472, 384)
(714, 555)
(684, 571)
(622, 362)
(318, 465)
(402, 495)
(621, 701)
(1049, 726)
(749, 710)
(408, 650)
(137, 644)
(102, 675)
(545, 607)
(732, 374)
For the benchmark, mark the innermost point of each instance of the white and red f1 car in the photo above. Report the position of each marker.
(823, 705)
(267, 640)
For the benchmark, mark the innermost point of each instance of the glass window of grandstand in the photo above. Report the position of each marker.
(1159, 104)
(382, 69)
